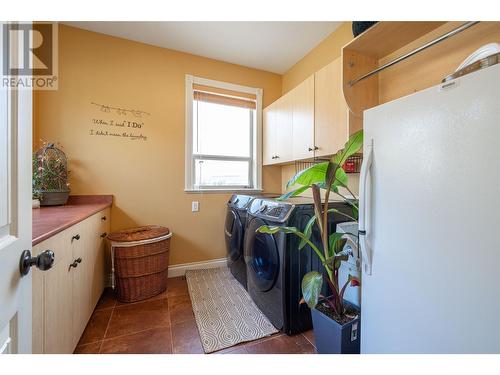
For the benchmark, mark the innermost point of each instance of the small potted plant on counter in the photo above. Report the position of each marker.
(50, 176)
(336, 322)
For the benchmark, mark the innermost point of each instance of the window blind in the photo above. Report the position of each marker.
(225, 97)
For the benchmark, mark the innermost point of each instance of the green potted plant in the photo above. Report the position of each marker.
(50, 176)
(335, 321)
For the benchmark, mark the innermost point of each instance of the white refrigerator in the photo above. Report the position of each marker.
(430, 211)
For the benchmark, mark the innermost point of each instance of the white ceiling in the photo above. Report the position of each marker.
(271, 46)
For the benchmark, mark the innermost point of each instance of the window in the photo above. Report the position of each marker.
(223, 124)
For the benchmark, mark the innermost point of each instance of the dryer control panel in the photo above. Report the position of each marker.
(240, 201)
(271, 210)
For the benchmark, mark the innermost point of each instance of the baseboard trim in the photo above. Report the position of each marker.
(180, 269)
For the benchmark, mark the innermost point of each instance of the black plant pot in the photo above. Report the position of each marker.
(334, 338)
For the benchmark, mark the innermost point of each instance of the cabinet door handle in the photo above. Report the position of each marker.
(75, 237)
(103, 235)
(310, 149)
(103, 218)
(313, 148)
(75, 263)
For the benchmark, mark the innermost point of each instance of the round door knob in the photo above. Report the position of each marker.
(44, 261)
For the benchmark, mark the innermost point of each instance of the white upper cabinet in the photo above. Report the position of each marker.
(277, 132)
(284, 131)
(331, 115)
(303, 119)
(269, 135)
(312, 120)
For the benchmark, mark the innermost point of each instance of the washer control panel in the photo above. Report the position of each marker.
(271, 210)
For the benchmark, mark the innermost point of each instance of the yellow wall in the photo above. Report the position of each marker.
(146, 177)
(324, 53)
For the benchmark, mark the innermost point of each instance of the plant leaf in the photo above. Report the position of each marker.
(334, 241)
(312, 175)
(272, 229)
(353, 145)
(341, 178)
(307, 232)
(322, 185)
(341, 255)
(293, 193)
(311, 288)
(275, 229)
(355, 212)
(310, 224)
(334, 261)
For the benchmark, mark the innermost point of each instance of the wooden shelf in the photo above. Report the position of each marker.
(384, 38)
(386, 41)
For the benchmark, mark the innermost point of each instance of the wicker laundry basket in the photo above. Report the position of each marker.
(139, 259)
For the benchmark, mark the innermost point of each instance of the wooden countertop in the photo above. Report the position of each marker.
(50, 220)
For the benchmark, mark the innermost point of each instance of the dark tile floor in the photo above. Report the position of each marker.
(165, 324)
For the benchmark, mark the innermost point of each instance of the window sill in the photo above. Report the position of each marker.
(226, 190)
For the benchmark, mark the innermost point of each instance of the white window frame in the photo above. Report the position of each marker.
(256, 140)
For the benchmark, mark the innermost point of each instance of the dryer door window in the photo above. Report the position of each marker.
(233, 233)
(262, 257)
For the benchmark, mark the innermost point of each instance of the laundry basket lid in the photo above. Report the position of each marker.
(138, 234)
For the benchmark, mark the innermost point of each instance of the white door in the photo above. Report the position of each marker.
(15, 219)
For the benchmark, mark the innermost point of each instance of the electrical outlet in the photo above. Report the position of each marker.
(195, 206)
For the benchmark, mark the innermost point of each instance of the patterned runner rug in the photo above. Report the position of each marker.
(224, 312)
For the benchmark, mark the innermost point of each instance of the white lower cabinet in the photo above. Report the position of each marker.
(65, 296)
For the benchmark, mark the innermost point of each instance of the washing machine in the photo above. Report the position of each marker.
(234, 232)
(275, 265)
